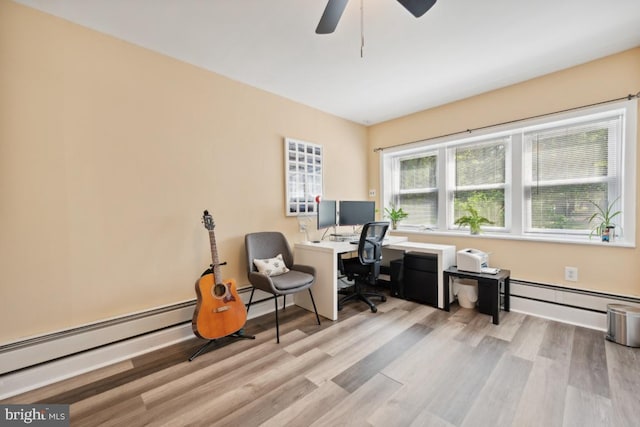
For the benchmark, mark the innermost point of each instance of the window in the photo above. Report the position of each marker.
(480, 179)
(534, 179)
(567, 168)
(417, 187)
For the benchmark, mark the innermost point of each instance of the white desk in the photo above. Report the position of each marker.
(324, 257)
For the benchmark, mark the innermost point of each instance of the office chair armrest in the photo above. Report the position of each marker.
(262, 282)
(305, 269)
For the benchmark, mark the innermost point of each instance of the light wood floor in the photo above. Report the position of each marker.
(407, 365)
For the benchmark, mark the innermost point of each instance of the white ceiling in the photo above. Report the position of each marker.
(458, 49)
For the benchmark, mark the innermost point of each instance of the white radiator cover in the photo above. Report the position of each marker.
(42, 360)
(52, 346)
(33, 377)
(563, 304)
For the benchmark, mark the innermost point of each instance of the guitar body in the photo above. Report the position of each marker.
(219, 310)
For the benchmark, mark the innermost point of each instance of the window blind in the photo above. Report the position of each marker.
(480, 173)
(569, 168)
(418, 193)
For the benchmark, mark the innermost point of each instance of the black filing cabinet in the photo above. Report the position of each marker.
(396, 278)
(420, 278)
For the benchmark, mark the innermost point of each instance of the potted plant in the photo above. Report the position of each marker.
(473, 219)
(602, 221)
(395, 215)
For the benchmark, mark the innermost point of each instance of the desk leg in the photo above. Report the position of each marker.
(489, 298)
(495, 306)
(325, 289)
(507, 294)
(445, 291)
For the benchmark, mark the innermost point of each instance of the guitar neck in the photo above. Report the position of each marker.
(214, 256)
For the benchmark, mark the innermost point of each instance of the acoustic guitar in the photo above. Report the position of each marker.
(219, 310)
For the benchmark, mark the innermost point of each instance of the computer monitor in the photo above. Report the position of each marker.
(327, 216)
(356, 212)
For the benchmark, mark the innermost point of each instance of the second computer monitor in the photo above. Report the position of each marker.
(327, 214)
(356, 212)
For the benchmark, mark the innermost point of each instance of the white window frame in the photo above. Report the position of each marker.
(451, 179)
(515, 185)
(395, 167)
(613, 183)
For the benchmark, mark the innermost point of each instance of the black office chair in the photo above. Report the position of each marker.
(293, 278)
(365, 268)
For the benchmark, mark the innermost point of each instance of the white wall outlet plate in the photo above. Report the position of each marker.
(571, 274)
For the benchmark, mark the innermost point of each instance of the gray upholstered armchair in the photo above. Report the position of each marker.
(271, 269)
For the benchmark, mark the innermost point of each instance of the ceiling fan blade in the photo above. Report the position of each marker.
(417, 7)
(331, 16)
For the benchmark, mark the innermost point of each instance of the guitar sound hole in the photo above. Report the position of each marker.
(219, 290)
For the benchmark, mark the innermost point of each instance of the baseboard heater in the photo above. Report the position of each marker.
(45, 348)
(569, 305)
(50, 347)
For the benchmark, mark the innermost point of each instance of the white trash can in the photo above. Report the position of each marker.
(467, 292)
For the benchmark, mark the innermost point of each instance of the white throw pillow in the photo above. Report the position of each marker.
(271, 266)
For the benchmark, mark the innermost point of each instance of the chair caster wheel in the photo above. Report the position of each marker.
(374, 309)
(383, 299)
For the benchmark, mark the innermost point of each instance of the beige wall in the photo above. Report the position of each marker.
(610, 269)
(109, 153)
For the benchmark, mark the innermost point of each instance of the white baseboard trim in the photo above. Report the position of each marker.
(587, 309)
(573, 306)
(558, 313)
(57, 370)
(39, 349)
(62, 368)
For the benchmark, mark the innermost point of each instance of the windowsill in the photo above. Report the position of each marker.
(618, 243)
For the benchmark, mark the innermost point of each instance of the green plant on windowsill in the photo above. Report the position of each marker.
(602, 221)
(473, 219)
(395, 215)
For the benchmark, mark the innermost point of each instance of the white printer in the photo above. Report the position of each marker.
(472, 260)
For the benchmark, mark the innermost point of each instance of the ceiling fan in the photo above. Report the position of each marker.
(334, 9)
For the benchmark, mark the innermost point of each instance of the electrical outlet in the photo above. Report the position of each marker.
(571, 274)
(372, 193)
(302, 227)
